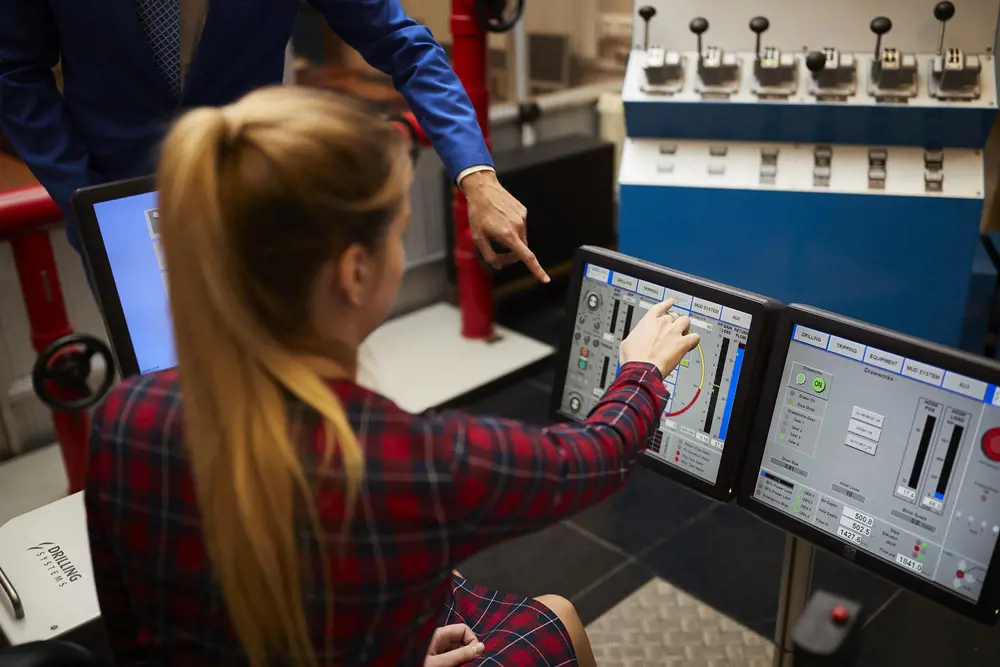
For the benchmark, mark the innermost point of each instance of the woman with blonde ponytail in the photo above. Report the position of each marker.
(255, 506)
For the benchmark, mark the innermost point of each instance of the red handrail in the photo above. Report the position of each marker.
(25, 214)
(25, 209)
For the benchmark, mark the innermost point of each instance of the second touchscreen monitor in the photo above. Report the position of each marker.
(703, 429)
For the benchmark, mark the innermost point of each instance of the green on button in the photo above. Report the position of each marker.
(819, 385)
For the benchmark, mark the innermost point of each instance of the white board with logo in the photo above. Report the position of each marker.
(45, 555)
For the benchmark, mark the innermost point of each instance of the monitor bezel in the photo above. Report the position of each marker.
(981, 368)
(102, 278)
(764, 311)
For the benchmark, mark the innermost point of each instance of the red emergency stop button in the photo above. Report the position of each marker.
(991, 444)
(839, 614)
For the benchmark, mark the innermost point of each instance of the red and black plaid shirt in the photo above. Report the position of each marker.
(438, 488)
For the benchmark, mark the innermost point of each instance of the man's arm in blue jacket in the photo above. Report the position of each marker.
(398, 46)
(32, 111)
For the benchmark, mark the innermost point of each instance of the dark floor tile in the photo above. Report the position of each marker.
(763, 627)
(604, 594)
(728, 559)
(525, 400)
(558, 560)
(913, 631)
(839, 577)
(646, 511)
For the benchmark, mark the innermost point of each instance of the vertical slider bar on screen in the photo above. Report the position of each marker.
(925, 443)
(949, 460)
(716, 382)
(628, 321)
(731, 395)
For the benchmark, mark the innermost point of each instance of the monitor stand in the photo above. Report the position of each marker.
(793, 596)
(421, 362)
(815, 628)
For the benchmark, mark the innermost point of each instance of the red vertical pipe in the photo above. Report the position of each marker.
(43, 298)
(43, 301)
(24, 215)
(475, 285)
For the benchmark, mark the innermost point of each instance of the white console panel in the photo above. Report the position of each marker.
(635, 81)
(907, 171)
(798, 25)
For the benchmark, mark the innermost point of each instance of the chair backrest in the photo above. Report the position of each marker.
(48, 654)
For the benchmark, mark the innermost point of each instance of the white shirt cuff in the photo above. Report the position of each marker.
(471, 170)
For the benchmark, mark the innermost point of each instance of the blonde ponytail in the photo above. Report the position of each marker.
(225, 175)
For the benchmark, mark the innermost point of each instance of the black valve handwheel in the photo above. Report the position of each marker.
(66, 365)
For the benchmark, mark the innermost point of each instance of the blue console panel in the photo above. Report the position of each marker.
(895, 261)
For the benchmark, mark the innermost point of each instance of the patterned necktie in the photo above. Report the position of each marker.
(161, 24)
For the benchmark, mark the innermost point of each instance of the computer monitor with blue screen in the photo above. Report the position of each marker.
(885, 450)
(700, 439)
(119, 226)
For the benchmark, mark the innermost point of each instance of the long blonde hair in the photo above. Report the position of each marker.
(255, 198)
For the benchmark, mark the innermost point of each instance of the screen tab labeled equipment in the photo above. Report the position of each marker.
(885, 449)
(703, 430)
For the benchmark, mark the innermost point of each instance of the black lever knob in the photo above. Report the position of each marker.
(815, 61)
(759, 24)
(646, 13)
(698, 26)
(944, 11)
(881, 25)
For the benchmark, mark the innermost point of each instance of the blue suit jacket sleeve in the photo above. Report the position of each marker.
(32, 113)
(397, 45)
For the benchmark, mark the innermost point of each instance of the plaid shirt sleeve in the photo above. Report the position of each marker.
(508, 478)
(114, 600)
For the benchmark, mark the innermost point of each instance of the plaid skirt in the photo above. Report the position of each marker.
(517, 631)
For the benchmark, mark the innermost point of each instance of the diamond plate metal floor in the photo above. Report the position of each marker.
(662, 625)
